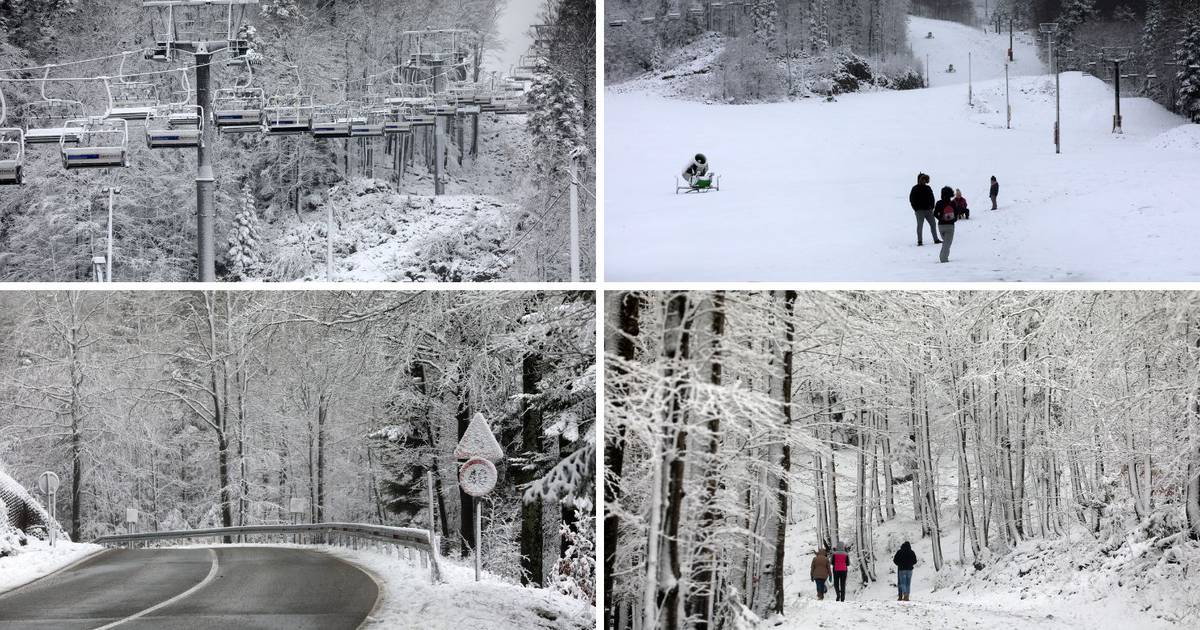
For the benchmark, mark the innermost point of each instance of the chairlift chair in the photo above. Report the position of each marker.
(327, 124)
(238, 110)
(103, 143)
(286, 115)
(618, 23)
(46, 119)
(12, 156)
(181, 134)
(369, 125)
(396, 123)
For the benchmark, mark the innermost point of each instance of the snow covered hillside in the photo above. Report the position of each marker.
(383, 235)
(818, 191)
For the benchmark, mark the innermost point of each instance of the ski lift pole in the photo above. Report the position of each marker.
(970, 83)
(1007, 100)
(329, 242)
(205, 178)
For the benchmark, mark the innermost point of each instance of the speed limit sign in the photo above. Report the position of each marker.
(477, 477)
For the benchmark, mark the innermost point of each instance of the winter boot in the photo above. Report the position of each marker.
(900, 597)
(820, 595)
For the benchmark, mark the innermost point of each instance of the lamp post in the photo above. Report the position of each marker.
(1050, 28)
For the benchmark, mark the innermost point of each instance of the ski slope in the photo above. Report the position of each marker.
(817, 191)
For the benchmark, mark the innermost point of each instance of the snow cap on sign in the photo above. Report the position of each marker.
(478, 441)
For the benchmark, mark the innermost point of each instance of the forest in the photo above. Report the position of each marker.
(216, 409)
(1157, 42)
(767, 49)
(1051, 437)
(298, 207)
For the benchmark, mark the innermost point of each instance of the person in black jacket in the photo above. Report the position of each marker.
(904, 560)
(994, 191)
(946, 214)
(921, 200)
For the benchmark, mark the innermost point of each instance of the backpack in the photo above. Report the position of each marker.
(948, 211)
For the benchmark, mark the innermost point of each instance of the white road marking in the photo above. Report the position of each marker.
(212, 573)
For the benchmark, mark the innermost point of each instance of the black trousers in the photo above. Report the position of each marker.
(839, 585)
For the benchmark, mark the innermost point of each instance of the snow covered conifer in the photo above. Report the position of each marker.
(244, 254)
(556, 121)
(1188, 58)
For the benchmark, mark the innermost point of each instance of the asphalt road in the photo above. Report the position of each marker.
(250, 588)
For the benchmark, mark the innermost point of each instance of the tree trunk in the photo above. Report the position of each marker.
(675, 442)
(614, 452)
(789, 336)
(531, 442)
(701, 605)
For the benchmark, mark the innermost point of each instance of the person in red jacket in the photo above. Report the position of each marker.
(841, 565)
(961, 211)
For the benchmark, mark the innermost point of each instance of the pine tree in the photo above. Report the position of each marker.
(1188, 58)
(244, 255)
(556, 121)
(764, 16)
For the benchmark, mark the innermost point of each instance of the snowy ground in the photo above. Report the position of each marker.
(817, 191)
(411, 601)
(39, 559)
(1043, 584)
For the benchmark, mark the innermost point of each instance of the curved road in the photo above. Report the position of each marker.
(267, 588)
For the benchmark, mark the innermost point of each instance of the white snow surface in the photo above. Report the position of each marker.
(410, 601)
(38, 559)
(817, 191)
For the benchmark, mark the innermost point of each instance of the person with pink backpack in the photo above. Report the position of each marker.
(841, 566)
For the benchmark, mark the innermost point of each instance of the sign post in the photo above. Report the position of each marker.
(48, 483)
(296, 507)
(477, 476)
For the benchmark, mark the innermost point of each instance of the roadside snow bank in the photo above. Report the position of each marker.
(381, 235)
(1184, 138)
(410, 601)
(37, 559)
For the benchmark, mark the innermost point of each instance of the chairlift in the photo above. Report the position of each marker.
(239, 109)
(327, 124)
(103, 143)
(130, 100)
(45, 119)
(183, 123)
(618, 23)
(696, 11)
(12, 149)
(290, 114)
(368, 125)
(191, 21)
(396, 123)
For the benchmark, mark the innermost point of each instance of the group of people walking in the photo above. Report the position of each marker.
(942, 214)
(833, 565)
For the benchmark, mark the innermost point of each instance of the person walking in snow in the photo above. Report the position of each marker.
(904, 560)
(946, 216)
(841, 565)
(820, 571)
(697, 169)
(921, 200)
(961, 211)
(994, 191)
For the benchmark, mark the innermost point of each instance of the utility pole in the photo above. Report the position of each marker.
(1050, 28)
(970, 86)
(439, 134)
(178, 20)
(1010, 38)
(112, 191)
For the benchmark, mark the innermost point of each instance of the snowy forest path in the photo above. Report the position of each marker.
(253, 587)
(817, 191)
(918, 615)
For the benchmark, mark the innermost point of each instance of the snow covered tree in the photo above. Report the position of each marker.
(1188, 59)
(244, 255)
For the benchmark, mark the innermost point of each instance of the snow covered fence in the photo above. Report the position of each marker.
(345, 534)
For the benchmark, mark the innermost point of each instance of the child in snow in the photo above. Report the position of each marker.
(921, 200)
(820, 572)
(904, 560)
(841, 565)
(696, 170)
(994, 191)
(961, 211)
(946, 216)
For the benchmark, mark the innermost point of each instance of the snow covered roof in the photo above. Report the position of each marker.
(478, 441)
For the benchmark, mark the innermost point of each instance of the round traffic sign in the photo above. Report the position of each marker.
(48, 482)
(477, 477)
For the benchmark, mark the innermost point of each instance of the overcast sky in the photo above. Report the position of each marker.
(518, 16)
